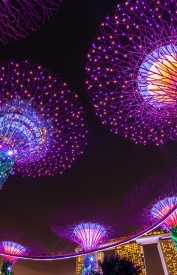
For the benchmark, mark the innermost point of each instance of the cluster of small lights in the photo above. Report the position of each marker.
(43, 127)
(132, 71)
(19, 17)
(152, 200)
(134, 252)
(87, 224)
(169, 255)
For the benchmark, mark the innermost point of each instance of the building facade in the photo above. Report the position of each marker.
(134, 251)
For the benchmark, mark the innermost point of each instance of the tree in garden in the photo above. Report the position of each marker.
(118, 266)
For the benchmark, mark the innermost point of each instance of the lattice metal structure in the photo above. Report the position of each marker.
(42, 124)
(15, 243)
(132, 71)
(151, 200)
(18, 18)
(88, 224)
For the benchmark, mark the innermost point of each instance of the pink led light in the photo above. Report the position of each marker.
(162, 208)
(14, 243)
(89, 235)
(14, 249)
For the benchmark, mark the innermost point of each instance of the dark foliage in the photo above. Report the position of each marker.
(6, 268)
(118, 266)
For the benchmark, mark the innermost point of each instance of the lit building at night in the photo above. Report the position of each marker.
(134, 251)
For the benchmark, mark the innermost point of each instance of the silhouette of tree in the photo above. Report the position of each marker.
(117, 266)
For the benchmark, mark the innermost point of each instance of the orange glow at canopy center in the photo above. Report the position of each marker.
(162, 79)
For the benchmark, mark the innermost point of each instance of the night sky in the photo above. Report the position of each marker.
(110, 165)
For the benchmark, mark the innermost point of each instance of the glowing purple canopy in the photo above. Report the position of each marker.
(87, 224)
(132, 71)
(15, 243)
(42, 125)
(19, 17)
(151, 200)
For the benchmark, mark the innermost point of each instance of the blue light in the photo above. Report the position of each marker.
(10, 153)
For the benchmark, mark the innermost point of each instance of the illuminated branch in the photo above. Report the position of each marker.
(20, 17)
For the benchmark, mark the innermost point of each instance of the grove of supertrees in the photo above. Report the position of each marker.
(151, 200)
(42, 125)
(132, 71)
(20, 17)
(14, 244)
(89, 225)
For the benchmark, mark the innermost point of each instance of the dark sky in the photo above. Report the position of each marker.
(110, 165)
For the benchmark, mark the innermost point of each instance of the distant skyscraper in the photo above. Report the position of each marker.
(168, 256)
(135, 252)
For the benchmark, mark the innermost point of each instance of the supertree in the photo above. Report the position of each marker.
(19, 17)
(132, 71)
(88, 225)
(14, 243)
(151, 200)
(42, 125)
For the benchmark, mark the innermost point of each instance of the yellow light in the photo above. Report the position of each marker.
(162, 79)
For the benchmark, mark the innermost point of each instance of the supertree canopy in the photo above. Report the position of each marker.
(88, 224)
(16, 244)
(42, 125)
(132, 71)
(19, 17)
(151, 200)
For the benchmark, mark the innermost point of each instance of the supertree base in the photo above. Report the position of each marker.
(6, 268)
